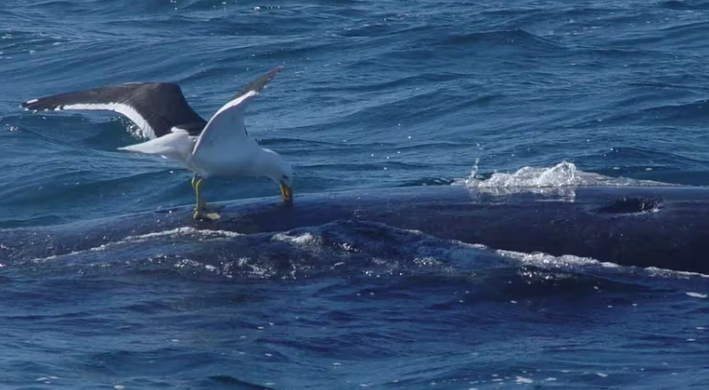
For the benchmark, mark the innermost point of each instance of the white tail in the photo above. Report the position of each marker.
(177, 145)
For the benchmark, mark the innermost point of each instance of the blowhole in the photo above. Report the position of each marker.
(632, 205)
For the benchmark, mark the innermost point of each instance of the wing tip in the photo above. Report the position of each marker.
(272, 74)
(261, 82)
(30, 105)
(35, 105)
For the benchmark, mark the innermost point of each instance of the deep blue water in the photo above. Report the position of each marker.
(375, 94)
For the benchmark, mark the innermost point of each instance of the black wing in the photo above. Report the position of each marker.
(154, 107)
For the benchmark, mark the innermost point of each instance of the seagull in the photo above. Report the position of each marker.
(220, 147)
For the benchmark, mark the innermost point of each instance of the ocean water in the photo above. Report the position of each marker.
(498, 96)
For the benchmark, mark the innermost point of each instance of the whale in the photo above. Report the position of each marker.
(644, 226)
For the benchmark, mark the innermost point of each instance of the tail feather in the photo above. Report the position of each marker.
(177, 145)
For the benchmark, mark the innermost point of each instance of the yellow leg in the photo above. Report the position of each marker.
(199, 208)
(196, 185)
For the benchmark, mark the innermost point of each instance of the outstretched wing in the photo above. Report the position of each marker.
(154, 107)
(229, 120)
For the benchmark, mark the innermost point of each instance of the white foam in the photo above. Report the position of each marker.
(520, 380)
(696, 295)
(186, 231)
(305, 239)
(569, 261)
(188, 263)
(544, 259)
(255, 269)
(560, 180)
(667, 273)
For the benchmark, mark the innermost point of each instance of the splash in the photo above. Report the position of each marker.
(558, 180)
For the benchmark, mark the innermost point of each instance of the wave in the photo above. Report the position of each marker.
(687, 5)
(516, 37)
(686, 113)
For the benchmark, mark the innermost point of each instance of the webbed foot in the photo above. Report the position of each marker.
(202, 215)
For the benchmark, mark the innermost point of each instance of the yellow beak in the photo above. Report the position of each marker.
(286, 194)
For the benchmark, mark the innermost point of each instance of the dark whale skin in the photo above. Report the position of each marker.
(664, 227)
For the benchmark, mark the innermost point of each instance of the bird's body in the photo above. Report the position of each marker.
(218, 147)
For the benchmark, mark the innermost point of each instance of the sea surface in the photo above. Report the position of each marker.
(374, 95)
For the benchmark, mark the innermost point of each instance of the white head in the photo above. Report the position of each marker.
(275, 167)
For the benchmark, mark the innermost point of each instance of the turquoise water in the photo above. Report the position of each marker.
(374, 95)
